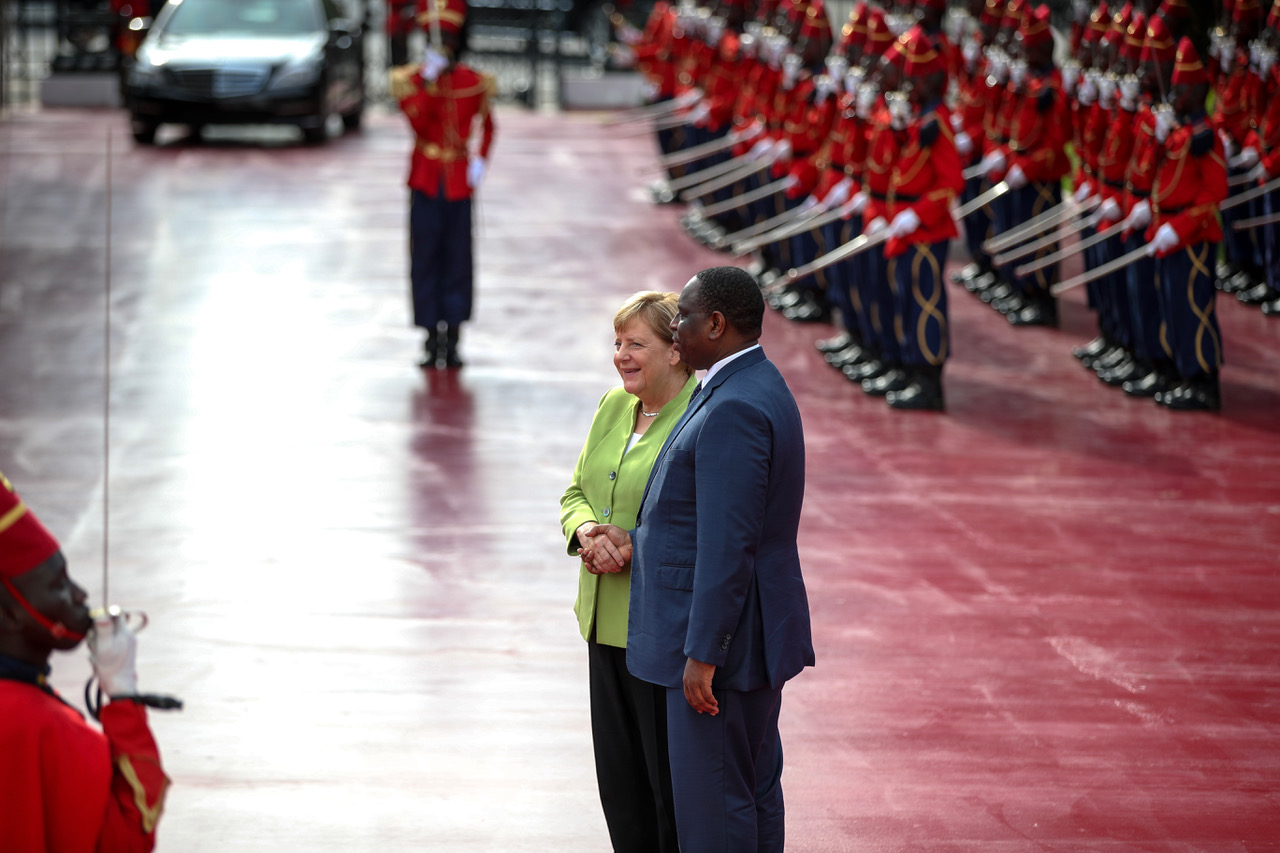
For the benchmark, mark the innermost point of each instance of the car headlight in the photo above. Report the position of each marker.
(297, 74)
(144, 72)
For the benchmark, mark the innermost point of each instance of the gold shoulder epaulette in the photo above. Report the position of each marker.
(402, 82)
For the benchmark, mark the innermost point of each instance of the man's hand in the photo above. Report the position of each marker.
(609, 551)
(697, 687)
(113, 651)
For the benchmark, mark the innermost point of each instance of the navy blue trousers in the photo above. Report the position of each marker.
(1269, 237)
(920, 304)
(1187, 297)
(880, 304)
(977, 225)
(856, 273)
(440, 260)
(1015, 208)
(1242, 248)
(1142, 283)
(726, 772)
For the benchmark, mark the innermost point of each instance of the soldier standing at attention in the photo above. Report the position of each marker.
(1190, 183)
(448, 106)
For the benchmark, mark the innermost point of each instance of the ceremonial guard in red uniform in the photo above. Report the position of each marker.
(448, 106)
(924, 181)
(66, 786)
(1235, 110)
(973, 103)
(1033, 161)
(1265, 139)
(1183, 236)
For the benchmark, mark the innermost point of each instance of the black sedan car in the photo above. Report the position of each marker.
(247, 62)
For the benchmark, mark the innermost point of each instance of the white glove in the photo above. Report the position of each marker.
(700, 113)
(782, 149)
(1015, 177)
(875, 226)
(857, 204)
(689, 98)
(628, 34)
(904, 224)
(113, 653)
(1166, 240)
(1228, 144)
(838, 194)
(1082, 192)
(1164, 124)
(649, 90)
(433, 63)
(957, 122)
(964, 145)
(1246, 159)
(1259, 173)
(1139, 217)
(1109, 211)
(993, 162)
(1088, 91)
(1226, 60)
(760, 149)
(476, 168)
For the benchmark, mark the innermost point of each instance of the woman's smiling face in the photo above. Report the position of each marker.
(642, 358)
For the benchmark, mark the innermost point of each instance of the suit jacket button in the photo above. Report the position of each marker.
(724, 644)
(606, 512)
(613, 475)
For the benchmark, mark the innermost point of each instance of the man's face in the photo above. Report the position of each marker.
(49, 589)
(691, 327)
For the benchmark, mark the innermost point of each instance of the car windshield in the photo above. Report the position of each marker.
(243, 17)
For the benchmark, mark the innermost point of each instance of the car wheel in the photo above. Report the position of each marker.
(144, 130)
(351, 121)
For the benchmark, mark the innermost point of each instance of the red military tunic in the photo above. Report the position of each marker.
(1265, 137)
(1235, 101)
(724, 81)
(1116, 153)
(1190, 183)
(444, 114)
(1038, 127)
(69, 788)
(654, 53)
(926, 176)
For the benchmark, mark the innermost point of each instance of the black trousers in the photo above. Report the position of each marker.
(629, 729)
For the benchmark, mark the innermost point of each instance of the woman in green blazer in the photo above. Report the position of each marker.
(628, 716)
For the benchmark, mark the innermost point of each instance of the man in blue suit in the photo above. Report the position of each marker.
(718, 613)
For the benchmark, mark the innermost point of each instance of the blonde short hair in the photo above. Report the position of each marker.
(655, 309)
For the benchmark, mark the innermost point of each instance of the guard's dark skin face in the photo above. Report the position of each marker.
(51, 591)
(1188, 99)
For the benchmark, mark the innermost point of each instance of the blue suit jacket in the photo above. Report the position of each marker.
(715, 571)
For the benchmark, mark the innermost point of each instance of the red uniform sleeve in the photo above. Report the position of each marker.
(138, 783)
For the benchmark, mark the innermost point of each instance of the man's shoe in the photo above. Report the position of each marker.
(1193, 395)
(868, 369)
(1126, 371)
(830, 345)
(852, 354)
(1093, 349)
(924, 392)
(1040, 310)
(1257, 294)
(1271, 308)
(966, 273)
(893, 379)
(1155, 381)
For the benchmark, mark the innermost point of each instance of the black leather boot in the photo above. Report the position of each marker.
(451, 357)
(430, 350)
(923, 392)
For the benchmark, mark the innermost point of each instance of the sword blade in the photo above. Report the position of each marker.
(854, 247)
(1038, 225)
(1063, 231)
(1098, 272)
(1086, 243)
(982, 201)
(742, 200)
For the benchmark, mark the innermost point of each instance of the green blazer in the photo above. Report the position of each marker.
(607, 488)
